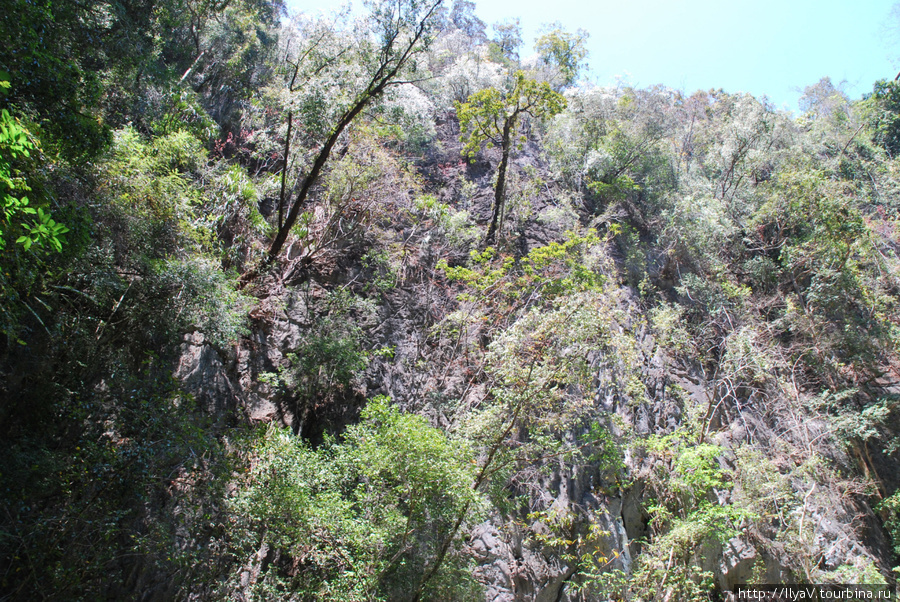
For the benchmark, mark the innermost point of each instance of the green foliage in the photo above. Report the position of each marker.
(545, 274)
(546, 316)
(77, 495)
(100, 438)
(43, 232)
(687, 520)
(563, 51)
(823, 102)
(361, 515)
(406, 120)
(541, 365)
(489, 115)
(206, 299)
(629, 241)
(329, 359)
(859, 423)
(667, 321)
(382, 266)
(827, 255)
(154, 219)
(693, 471)
(577, 546)
(541, 373)
(151, 182)
(358, 196)
(53, 69)
(342, 78)
(782, 496)
(610, 145)
(504, 48)
(456, 226)
(673, 564)
(890, 506)
(31, 240)
(605, 450)
(886, 120)
(14, 142)
(487, 107)
(139, 143)
(183, 114)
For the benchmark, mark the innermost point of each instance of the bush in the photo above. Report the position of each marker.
(356, 519)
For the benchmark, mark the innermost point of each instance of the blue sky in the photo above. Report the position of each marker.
(765, 47)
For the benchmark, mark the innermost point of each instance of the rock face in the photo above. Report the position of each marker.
(512, 571)
(421, 370)
(512, 563)
(203, 373)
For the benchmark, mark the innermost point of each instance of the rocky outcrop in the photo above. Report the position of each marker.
(205, 374)
(422, 369)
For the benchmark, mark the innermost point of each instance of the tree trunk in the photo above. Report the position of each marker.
(482, 475)
(284, 169)
(388, 69)
(313, 176)
(500, 188)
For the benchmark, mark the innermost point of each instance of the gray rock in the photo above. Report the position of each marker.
(203, 374)
(737, 563)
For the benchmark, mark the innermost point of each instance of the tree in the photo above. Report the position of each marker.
(81, 69)
(26, 221)
(505, 45)
(360, 515)
(54, 68)
(463, 17)
(403, 29)
(886, 122)
(492, 118)
(824, 100)
(563, 51)
(547, 314)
